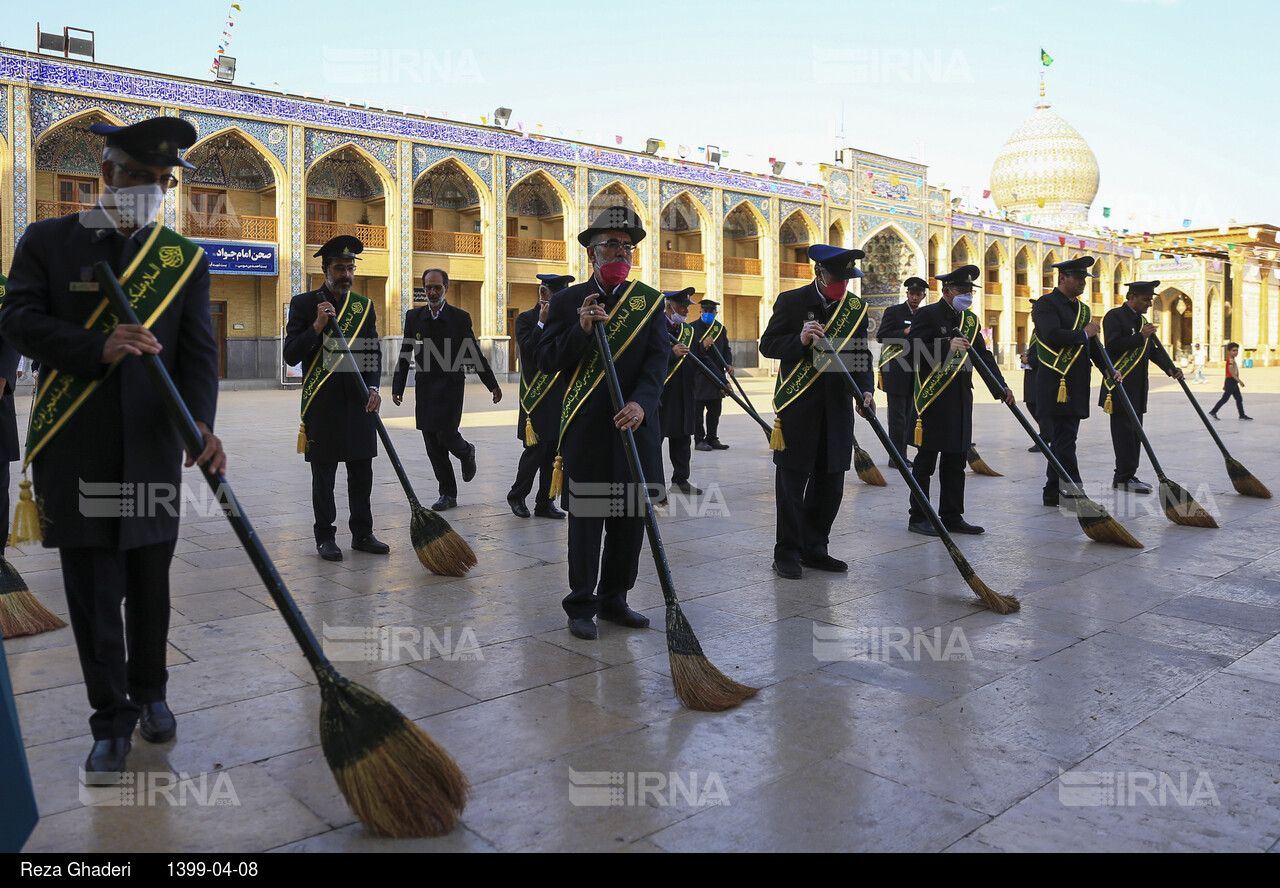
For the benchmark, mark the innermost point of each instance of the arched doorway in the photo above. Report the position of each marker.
(794, 237)
(1172, 315)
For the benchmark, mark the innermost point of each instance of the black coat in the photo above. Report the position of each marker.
(826, 407)
(443, 349)
(1054, 316)
(338, 427)
(679, 412)
(546, 416)
(9, 449)
(1122, 332)
(704, 389)
(895, 326)
(948, 422)
(122, 434)
(592, 447)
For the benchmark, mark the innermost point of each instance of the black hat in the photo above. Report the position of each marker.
(709, 304)
(154, 142)
(614, 219)
(681, 297)
(1079, 266)
(838, 262)
(555, 282)
(1143, 288)
(964, 276)
(915, 284)
(344, 246)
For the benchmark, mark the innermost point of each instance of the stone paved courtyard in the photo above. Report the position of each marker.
(1152, 676)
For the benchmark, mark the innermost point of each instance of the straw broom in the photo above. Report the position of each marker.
(1241, 478)
(698, 683)
(1179, 506)
(987, 597)
(1094, 520)
(397, 780)
(979, 465)
(440, 548)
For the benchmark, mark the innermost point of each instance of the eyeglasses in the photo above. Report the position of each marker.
(146, 177)
(615, 246)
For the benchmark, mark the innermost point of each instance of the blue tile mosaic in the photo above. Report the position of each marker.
(268, 136)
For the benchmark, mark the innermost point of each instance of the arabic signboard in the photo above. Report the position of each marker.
(231, 258)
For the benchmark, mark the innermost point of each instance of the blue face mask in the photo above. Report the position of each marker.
(708, 319)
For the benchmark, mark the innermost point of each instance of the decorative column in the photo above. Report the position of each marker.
(577, 256)
(406, 239)
(653, 267)
(21, 151)
(296, 246)
(715, 274)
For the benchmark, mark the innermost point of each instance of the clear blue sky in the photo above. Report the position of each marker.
(1174, 96)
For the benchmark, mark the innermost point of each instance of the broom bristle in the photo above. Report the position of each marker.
(1180, 508)
(399, 782)
(440, 548)
(698, 683)
(865, 466)
(1244, 482)
(988, 597)
(979, 466)
(1105, 529)
(21, 613)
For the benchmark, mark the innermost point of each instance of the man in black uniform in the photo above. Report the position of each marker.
(896, 376)
(1064, 330)
(9, 450)
(117, 434)
(708, 398)
(677, 408)
(442, 343)
(541, 396)
(337, 417)
(591, 448)
(943, 335)
(815, 406)
(1128, 342)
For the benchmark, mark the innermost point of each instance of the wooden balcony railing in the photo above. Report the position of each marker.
(1022, 291)
(993, 288)
(736, 265)
(795, 270)
(256, 228)
(374, 237)
(532, 248)
(52, 209)
(465, 243)
(682, 261)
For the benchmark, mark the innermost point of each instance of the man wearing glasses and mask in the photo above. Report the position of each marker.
(592, 457)
(101, 422)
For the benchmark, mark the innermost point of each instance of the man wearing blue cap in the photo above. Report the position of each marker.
(1064, 331)
(708, 397)
(897, 378)
(678, 406)
(1128, 338)
(102, 424)
(541, 394)
(814, 406)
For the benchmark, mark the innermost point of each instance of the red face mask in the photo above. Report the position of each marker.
(835, 289)
(615, 273)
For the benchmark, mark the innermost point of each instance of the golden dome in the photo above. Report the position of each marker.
(1046, 160)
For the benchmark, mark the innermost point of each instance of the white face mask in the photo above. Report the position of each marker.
(136, 206)
(962, 301)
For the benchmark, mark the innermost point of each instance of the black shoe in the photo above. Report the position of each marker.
(923, 528)
(1034, 448)
(106, 761)
(687, 489)
(788, 570)
(548, 510)
(703, 446)
(329, 550)
(371, 544)
(1050, 502)
(1243, 418)
(518, 508)
(1215, 416)
(157, 724)
(469, 463)
(717, 445)
(583, 628)
(444, 504)
(1133, 485)
(909, 464)
(963, 526)
(625, 616)
(824, 562)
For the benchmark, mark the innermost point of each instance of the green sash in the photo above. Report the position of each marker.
(1061, 362)
(713, 332)
(152, 280)
(685, 338)
(840, 329)
(350, 320)
(531, 394)
(928, 390)
(1128, 361)
(3, 283)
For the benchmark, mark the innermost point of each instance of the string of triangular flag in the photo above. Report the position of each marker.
(225, 40)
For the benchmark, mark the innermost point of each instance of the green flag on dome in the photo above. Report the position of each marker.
(1045, 59)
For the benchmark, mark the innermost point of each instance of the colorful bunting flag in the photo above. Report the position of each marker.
(1045, 58)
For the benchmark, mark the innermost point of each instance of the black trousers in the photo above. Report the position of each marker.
(1060, 433)
(597, 583)
(439, 445)
(4, 503)
(1126, 443)
(1231, 390)
(950, 483)
(681, 449)
(539, 460)
(902, 420)
(713, 410)
(359, 489)
(122, 657)
(807, 506)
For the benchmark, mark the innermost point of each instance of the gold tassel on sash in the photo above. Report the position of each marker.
(1107, 408)
(530, 436)
(919, 439)
(776, 441)
(26, 517)
(1063, 397)
(557, 478)
(880, 380)
(302, 437)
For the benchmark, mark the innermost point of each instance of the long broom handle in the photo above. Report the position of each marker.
(382, 429)
(194, 442)
(724, 366)
(1133, 414)
(637, 470)
(1194, 403)
(710, 374)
